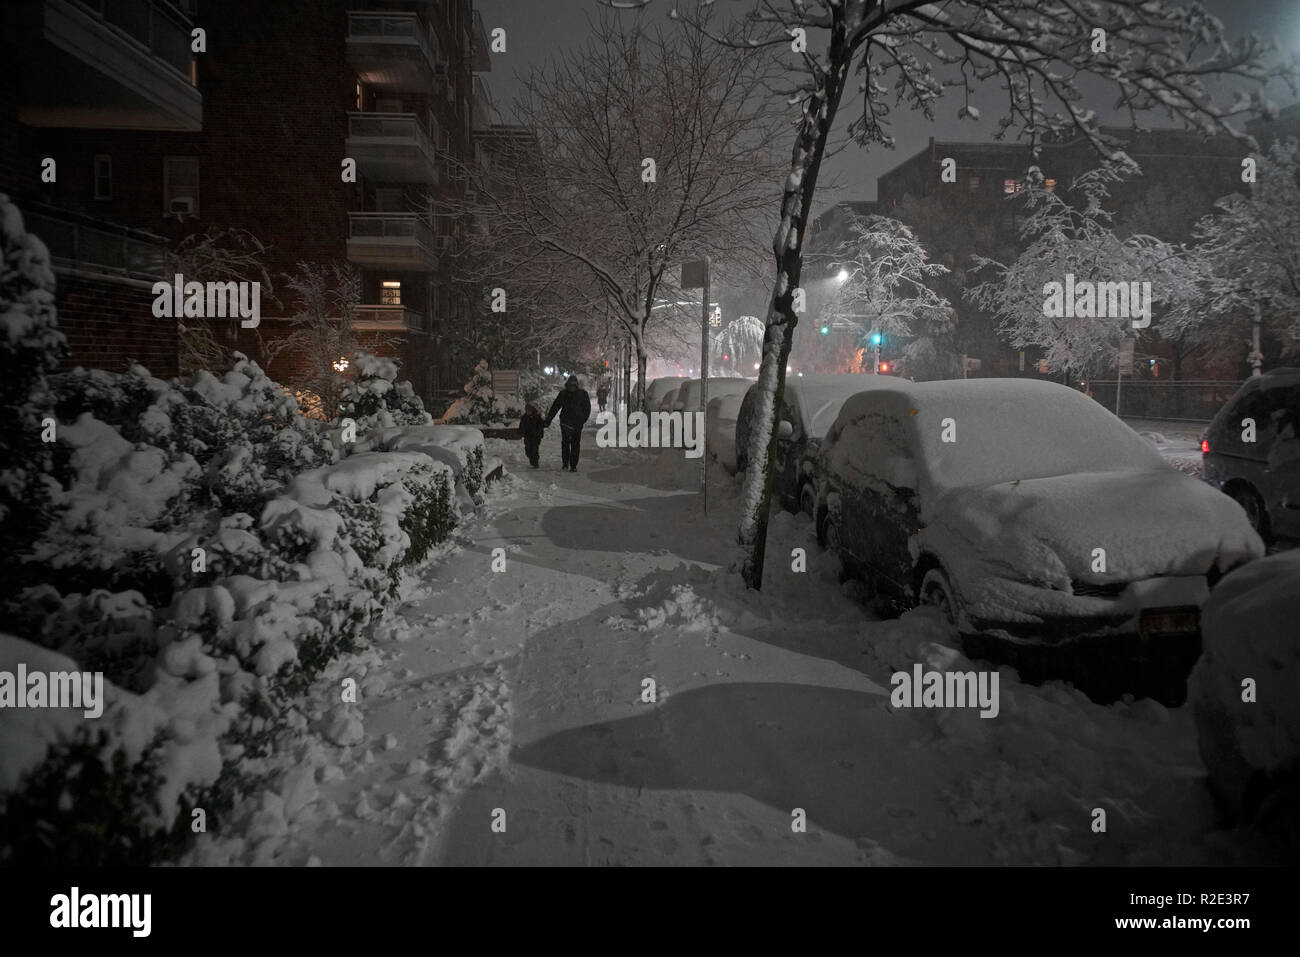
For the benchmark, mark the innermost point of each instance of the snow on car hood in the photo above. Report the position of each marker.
(1149, 522)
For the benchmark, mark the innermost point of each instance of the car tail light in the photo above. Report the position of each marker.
(1205, 446)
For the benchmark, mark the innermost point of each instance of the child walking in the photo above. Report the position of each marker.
(532, 426)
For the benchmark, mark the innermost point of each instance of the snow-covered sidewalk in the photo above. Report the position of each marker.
(503, 717)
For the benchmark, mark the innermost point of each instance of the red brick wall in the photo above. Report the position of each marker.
(110, 323)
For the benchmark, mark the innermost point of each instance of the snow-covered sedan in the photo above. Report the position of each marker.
(1032, 518)
(809, 406)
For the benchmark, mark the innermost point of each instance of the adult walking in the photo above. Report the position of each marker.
(574, 407)
(602, 395)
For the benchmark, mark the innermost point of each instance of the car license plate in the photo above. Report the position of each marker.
(1156, 622)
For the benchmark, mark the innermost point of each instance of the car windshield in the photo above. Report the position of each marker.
(983, 432)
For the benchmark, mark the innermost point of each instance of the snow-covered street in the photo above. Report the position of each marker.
(504, 717)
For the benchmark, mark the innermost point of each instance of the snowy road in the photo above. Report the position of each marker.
(502, 718)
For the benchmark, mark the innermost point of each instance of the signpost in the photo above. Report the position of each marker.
(505, 381)
(695, 275)
(1125, 365)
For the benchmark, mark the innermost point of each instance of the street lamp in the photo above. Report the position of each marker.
(842, 276)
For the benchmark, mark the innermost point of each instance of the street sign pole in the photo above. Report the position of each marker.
(704, 392)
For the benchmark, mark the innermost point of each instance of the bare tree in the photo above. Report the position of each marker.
(222, 254)
(323, 343)
(1150, 55)
(651, 148)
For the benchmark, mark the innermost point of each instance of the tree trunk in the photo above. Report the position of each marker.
(787, 247)
(639, 342)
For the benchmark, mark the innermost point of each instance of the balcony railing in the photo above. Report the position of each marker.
(115, 250)
(392, 127)
(391, 317)
(156, 27)
(366, 26)
(397, 227)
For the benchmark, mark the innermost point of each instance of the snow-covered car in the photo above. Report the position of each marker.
(809, 406)
(688, 396)
(1035, 520)
(721, 424)
(1251, 451)
(1249, 736)
(667, 403)
(658, 388)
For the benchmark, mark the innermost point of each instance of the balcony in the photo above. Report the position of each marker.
(391, 240)
(482, 115)
(388, 319)
(392, 147)
(392, 51)
(104, 248)
(482, 52)
(106, 64)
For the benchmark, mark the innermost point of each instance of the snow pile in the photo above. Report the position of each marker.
(1243, 686)
(480, 405)
(683, 609)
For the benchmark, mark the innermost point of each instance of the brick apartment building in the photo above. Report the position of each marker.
(250, 134)
(1183, 174)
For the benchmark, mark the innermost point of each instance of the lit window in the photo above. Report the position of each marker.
(103, 177)
(1008, 186)
(390, 292)
(1051, 185)
(358, 94)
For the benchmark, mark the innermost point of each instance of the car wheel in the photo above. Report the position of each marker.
(808, 500)
(1253, 505)
(937, 592)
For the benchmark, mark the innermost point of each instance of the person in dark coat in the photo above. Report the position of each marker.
(602, 395)
(532, 426)
(574, 407)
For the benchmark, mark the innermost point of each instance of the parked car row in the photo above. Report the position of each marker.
(1051, 535)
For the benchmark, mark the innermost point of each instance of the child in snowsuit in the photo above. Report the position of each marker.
(532, 426)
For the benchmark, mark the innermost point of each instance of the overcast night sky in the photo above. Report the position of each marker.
(538, 30)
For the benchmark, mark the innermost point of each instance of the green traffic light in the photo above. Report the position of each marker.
(826, 330)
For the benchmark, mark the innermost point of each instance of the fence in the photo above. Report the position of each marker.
(1193, 400)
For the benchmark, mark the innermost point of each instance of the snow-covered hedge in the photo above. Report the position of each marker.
(200, 543)
(458, 447)
(376, 400)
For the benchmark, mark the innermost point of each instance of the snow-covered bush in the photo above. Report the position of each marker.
(456, 446)
(210, 556)
(480, 405)
(30, 348)
(375, 399)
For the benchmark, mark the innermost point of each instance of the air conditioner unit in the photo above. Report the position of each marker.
(182, 206)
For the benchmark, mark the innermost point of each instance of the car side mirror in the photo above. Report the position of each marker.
(784, 430)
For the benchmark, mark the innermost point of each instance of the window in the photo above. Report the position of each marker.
(976, 182)
(1051, 185)
(103, 177)
(390, 292)
(359, 100)
(1010, 186)
(180, 186)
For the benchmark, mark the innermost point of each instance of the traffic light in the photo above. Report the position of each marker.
(875, 338)
(826, 330)
(884, 367)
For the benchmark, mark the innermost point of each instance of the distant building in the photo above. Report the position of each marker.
(79, 72)
(252, 134)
